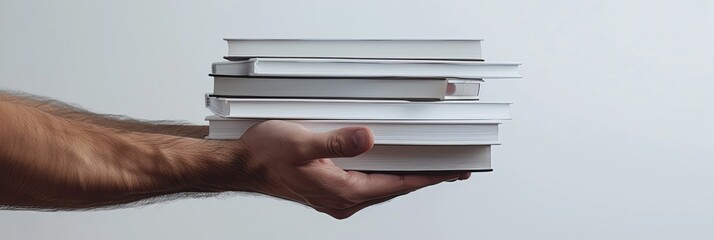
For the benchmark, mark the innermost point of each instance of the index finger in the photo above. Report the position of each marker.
(378, 185)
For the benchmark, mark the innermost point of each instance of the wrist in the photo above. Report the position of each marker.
(225, 166)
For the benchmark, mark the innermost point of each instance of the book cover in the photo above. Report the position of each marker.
(440, 49)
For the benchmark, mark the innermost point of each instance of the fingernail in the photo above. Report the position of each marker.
(361, 139)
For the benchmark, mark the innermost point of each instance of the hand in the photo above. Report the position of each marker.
(293, 164)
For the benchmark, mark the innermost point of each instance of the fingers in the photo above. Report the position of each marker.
(462, 176)
(374, 186)
(348, 212)
(371, 189)
(344, 142)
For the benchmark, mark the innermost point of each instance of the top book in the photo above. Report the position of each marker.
(430, 49)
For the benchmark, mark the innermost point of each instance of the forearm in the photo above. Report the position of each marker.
(52, 162)
(64, 110)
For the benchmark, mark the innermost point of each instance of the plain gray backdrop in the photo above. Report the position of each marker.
(610, 138)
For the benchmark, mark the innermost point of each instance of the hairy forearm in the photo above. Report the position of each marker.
(67, 111)
(52, 162)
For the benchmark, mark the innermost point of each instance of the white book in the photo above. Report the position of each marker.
(460, 49)
(462, 89)
(273, 108)
(386, 132)
(420, 158)
(349, 88)
(322, 67)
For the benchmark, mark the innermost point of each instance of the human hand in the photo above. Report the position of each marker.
(290, 162)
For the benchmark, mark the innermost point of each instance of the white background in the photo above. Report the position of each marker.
(610, 138)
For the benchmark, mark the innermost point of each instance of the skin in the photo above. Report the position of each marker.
(55, 156)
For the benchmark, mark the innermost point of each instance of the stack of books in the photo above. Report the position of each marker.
(420, 97)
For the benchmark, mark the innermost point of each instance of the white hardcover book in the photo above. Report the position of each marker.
(386, 132)
(457, 49)
(347, 88)
(317, 67)
(462, 89)
(273, 108)
(420, 158)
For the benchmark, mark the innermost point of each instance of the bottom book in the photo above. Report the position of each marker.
(386, 132)
(395, 155)
(408, 158)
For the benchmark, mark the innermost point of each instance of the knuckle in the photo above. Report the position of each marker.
(335, 145)
(402, 181)
(407, 185)
(341, 214)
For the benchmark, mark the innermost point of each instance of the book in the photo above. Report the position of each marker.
(405, 158)
(323, 67)
(290, 108)
(390, 132)
(457, 49)
(462, 89)
(349, 88)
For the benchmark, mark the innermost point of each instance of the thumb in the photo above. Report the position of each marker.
(343, 142)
